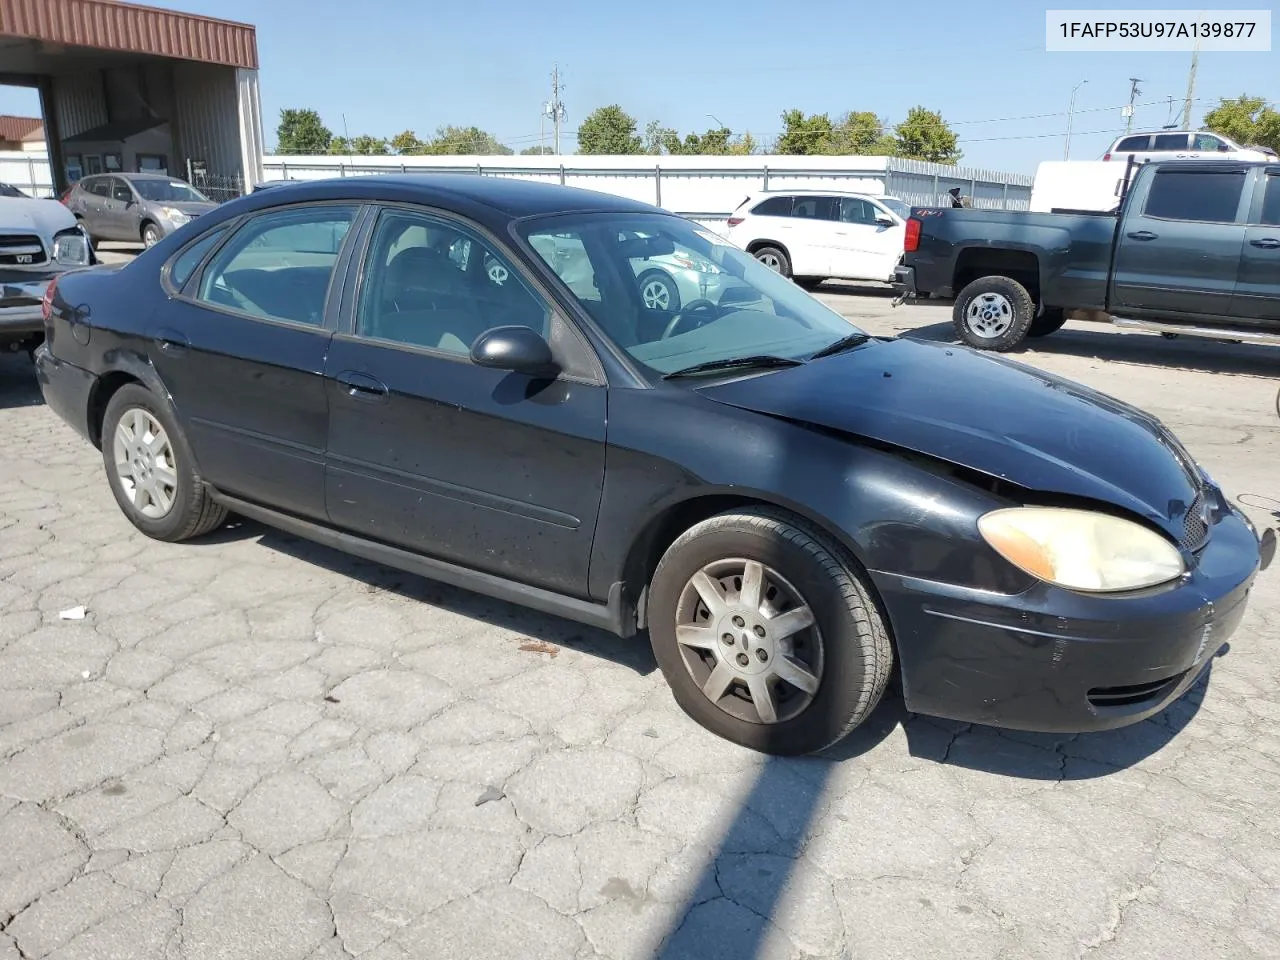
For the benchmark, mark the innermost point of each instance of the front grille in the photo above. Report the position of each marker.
(1195, 527)
(21, 250)
(1134, 694)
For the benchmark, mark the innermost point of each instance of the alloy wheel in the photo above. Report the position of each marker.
(145, 468)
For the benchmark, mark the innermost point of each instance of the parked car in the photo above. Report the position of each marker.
(9, 190)
(39, 239)
(781, 500)
(1194, 249)
(813, 236)
(135, 207)
(1180, 145)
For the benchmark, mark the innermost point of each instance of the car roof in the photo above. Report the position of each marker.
(491, 199)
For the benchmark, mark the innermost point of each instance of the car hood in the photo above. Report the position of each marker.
(192, 208)
(43, 217)
(989, 414)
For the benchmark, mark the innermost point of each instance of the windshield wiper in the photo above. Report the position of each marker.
(762, 360)
(841, 345)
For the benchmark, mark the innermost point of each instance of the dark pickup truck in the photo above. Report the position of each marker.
(1194, 248)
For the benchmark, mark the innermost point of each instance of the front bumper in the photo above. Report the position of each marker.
(1055, 661)
(67, 389)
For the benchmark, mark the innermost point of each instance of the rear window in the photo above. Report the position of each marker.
(773, 207)
(1207, 196)
(1131, 144)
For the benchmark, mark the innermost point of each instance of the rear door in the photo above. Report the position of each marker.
(242, 350)
(1170, 146)
(1257, 293)
(93, 195)
(815, 223)
(1178, 252)
(480, 467)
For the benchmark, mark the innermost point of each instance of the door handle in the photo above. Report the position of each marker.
(361, 386)
(172, 342)
(1141, 235)
(1266, 243)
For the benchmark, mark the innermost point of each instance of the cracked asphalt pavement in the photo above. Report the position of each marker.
(255, 747)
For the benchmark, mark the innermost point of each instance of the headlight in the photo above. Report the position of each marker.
(71, 247)
(1080, 549)
(173, 215)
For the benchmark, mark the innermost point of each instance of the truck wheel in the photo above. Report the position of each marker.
(1050, 321)
(993, 313)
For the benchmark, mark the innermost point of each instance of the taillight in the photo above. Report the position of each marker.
(1106, 156)
(911, 239)
(46, 302)
(734, 221)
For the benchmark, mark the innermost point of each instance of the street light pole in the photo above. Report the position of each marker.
(1071, 109)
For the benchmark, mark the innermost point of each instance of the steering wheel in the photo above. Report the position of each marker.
(694, 311)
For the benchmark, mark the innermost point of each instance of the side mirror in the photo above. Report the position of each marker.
(517, 349)
(883, 221)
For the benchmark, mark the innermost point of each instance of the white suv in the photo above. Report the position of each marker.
(1180, 145)
(814, 235)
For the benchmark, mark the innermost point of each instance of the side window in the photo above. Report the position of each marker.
(815, 208)
(101, 187)
(1271, 201)
(278, 265)
(120, 191)
(1205, 196)
(1132, 145)
(430, 283)
(185, 263)
(857, 210)
(1207, 141)
(773, 207)
(1169, 141)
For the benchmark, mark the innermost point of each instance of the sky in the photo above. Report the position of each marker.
(391, 65)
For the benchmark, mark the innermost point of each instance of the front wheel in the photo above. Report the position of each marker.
(993, 313)
(151, 470)
(150, 235)
(658, 291)
(767, 633)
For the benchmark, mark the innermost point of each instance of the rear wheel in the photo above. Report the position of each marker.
(767, 633)
(151, 471)
(775, 259)
(993, 313)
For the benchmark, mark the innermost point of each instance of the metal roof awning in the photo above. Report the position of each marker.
(116, 130)
(128, 28)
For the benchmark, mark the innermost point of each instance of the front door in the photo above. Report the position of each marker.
(1257, 294)
(1179, 254)
(866, 249)
(242, 351)
(427, 451)
(126, 212)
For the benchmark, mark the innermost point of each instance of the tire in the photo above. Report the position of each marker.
(811, 283)
(993, 313)
(658, 291)
(191, 512)
(150, 235)
(846, 649)
(1050, 321)
(775, 259)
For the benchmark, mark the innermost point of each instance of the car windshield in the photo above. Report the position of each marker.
(674, 294)
(168, 191)
(897, 206)
(8, 191)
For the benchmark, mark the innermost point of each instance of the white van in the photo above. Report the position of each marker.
(1180, 145)
(814, 235)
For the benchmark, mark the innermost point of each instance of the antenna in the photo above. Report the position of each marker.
(1133, 94)
(1191, 87)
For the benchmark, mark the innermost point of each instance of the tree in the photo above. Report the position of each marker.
(862, 133)
(465, 140)
(302, 132)
(538, 151)
(657, 137)
(407, 142)
(743, 146)
(609, 130)
(366, 145)
(805, 134)
(340, 146)
(924, 135)
(1246, 120)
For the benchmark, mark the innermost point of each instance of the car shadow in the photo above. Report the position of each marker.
(1096, 341)
(633, 653)
(18, 385)
(731, 907)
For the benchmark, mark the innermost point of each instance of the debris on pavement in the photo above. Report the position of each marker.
(73, 613)
(489, 795)
(540, 646)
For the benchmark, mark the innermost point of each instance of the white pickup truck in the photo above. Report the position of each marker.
(39, 239)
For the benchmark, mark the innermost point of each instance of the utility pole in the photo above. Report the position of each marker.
(554, 108)
(1071, 110)
(1191, 87)
(1133, 94)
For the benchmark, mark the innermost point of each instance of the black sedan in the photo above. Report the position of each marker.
(791, 508)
